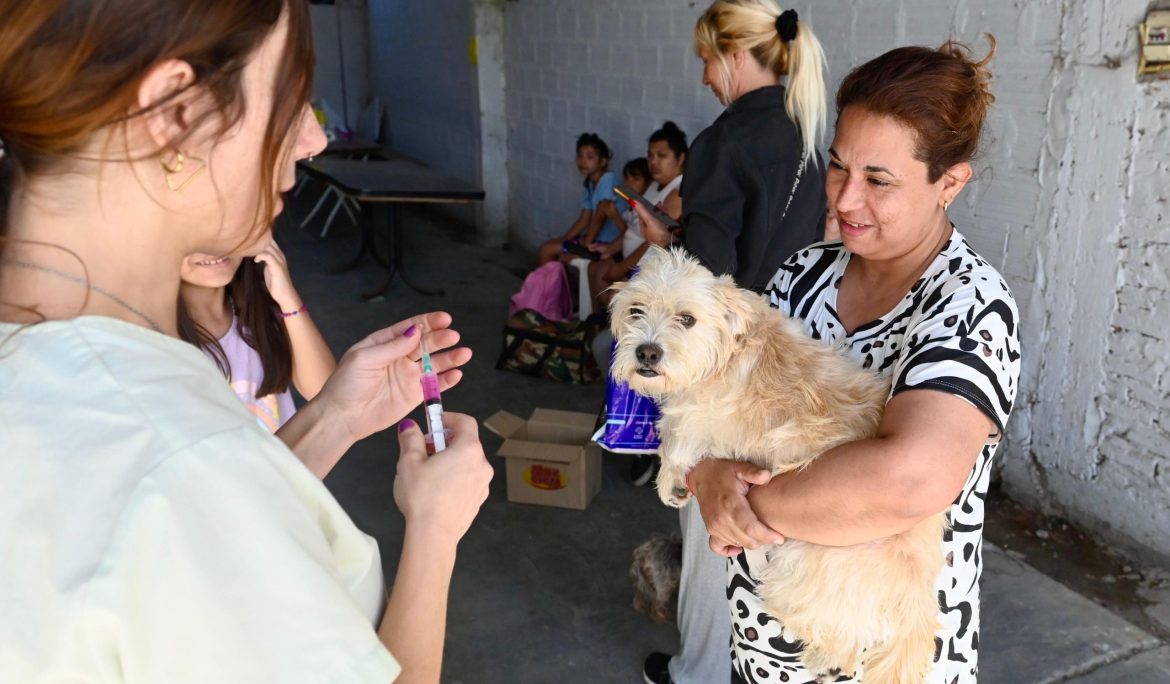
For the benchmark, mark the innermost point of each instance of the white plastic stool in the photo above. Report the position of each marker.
(584, 296)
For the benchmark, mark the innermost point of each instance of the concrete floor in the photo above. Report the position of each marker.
(542, 595)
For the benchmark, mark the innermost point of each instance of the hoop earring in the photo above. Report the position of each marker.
(946, 205)
(176, 168)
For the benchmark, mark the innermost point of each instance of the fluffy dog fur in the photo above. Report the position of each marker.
(655, 570)
(736, 379)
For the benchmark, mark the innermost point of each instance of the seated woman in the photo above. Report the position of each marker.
(906, 295)
(666, 157)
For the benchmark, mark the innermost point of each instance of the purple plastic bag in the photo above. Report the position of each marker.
(631, 420)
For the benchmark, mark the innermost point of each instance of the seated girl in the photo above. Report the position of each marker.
(592, 229)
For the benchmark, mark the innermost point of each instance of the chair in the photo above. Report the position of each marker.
(584, 296)
(369, 127)
(369, 123)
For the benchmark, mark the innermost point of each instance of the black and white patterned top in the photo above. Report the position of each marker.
(956, 332)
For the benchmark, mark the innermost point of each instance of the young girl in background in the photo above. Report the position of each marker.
(592, 227)
(246, 315)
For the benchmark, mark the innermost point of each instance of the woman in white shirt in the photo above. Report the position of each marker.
(667, 157)
(153, 532)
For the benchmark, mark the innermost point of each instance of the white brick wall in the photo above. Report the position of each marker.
(1070, 201)
(615, 68)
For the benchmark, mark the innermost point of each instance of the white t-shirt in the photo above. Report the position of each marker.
(956, 331)
(655, 194)
(152, 531)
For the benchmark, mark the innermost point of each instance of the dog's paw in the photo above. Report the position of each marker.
(676, 497)
(672, 487)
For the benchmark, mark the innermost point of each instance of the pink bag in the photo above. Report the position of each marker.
(546, 291)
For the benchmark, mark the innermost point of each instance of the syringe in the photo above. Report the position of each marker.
(432, 402)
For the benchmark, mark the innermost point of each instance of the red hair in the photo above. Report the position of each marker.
(942, 94)
(70, 68)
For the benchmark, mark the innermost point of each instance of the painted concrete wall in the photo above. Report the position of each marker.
(1070, 202)
(420, 67)
(334, 49)
(488, 19)
(1095, 442)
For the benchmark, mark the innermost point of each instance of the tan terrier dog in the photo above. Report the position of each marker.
(737, 379)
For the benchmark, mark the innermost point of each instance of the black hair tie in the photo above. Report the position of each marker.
(786, 25)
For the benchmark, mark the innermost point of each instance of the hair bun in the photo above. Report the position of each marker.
(671, 127)
(980, 73)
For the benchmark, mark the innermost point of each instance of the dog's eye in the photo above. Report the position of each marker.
(636, 312)
(687, 320)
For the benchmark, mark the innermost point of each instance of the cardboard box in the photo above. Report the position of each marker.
(550, 458)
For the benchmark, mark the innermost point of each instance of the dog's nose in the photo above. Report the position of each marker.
(648, 354)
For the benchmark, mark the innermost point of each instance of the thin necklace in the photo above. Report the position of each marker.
(89, 286)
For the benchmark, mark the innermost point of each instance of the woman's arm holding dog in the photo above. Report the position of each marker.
(913, 468)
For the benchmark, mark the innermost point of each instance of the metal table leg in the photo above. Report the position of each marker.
(370, 218)
(396, 266)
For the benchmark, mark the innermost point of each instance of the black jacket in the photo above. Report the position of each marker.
(739, 177)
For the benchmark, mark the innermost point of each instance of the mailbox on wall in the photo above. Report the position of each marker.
(1154, 36)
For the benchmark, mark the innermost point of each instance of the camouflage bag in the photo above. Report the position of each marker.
(557, 350)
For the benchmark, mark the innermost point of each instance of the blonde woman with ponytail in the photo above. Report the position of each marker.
(753, 194)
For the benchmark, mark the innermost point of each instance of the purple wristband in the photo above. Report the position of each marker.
(289, 314)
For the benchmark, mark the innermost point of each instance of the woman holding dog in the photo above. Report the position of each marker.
(153, 533)
(753, 194)
(905, 295)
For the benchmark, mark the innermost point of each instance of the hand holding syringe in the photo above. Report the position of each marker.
(432, 403)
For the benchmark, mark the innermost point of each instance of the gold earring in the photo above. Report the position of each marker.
(175, 168)
(946, 205)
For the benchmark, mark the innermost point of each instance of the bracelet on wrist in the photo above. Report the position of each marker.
(304, 308)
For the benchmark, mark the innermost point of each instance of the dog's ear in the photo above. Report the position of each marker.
(615, 300)
(653, 256)
(741, 311)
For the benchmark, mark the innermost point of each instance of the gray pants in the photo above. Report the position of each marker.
(704, 619)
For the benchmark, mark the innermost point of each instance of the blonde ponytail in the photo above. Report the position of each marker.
(728, 26)
(805, 101)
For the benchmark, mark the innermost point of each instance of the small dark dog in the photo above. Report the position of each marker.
(656, 567)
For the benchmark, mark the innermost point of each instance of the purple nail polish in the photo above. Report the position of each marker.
(405, 425)
(409, 332)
